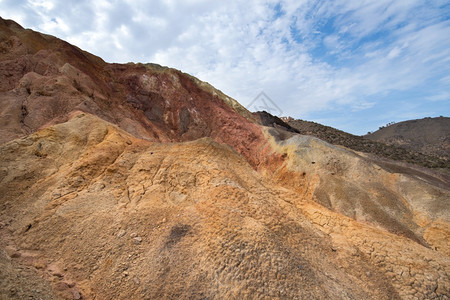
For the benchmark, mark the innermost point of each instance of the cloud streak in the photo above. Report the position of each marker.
(311, 57)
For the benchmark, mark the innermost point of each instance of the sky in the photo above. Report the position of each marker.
(354, 65)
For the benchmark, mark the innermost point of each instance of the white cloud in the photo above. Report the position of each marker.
(444, 96)
(395, 52)
(42, 4)
(306, 55)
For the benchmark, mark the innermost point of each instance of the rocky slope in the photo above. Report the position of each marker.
(436, 157)
(43, 79)
(429, 135)
(142, 182)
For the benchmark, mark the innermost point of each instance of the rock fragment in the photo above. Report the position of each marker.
(137, 240)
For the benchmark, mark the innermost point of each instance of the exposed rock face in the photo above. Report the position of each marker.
(137, 181)
(46, 79)
(209, 225)
(348, 183)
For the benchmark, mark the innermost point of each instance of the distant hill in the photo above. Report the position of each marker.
(430, 136)
(371, 145)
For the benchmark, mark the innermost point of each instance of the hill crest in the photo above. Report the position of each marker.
(428, 135)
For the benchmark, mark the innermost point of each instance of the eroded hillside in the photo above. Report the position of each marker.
(142, 182)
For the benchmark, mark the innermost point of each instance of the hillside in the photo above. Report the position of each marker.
(136, 181)
(430, 136)
(435, 157)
